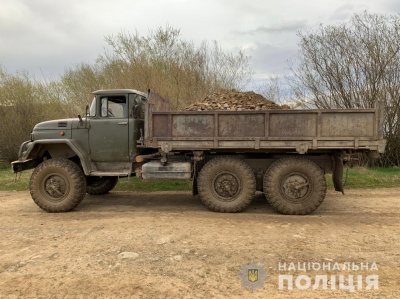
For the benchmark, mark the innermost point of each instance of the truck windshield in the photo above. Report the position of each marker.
(92, 110)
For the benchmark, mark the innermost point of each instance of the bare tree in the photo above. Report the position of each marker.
(24, 102)
(162, 60)
(276, 88)
(354, 65)
(178, 69)
(77, 85)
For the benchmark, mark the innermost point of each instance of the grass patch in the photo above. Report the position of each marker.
(136, 184)
(20, 182)
(11, 182)
(374, 177)
(4, 164)
(356, 178)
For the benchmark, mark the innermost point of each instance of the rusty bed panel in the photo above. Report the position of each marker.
(272, 129)
(241, 125)
(155, 102)
(293, 125)
(355, 124)
(192, 125)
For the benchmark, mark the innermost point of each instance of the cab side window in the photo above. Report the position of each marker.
(114, 107)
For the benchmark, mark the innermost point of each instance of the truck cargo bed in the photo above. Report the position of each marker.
(269, 130)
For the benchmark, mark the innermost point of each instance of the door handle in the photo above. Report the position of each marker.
(123, 123)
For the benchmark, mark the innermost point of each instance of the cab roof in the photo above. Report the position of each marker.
(118, 91)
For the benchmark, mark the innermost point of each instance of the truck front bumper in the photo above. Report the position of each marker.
(18, 166)
(23, 163)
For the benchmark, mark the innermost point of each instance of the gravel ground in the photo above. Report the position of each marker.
(168, 245)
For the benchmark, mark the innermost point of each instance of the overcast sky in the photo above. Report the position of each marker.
(45, 37)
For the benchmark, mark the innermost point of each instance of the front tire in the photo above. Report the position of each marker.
(100, 185)
(226, 185)
(294, 186)
(57, 185)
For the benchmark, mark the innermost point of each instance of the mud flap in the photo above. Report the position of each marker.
(337, 173)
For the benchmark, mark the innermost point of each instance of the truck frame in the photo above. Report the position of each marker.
(229, 155)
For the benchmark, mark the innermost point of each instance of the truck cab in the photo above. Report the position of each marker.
(104, 141)
(115, 124)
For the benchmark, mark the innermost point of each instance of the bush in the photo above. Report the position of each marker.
(23, 103)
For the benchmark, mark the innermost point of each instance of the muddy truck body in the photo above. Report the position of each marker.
(228, 155)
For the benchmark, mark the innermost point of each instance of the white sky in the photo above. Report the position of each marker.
(45, 37)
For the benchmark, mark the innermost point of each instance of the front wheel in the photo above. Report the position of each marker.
(226, 185)
(100, 185)
(57, 185)
(294, 186)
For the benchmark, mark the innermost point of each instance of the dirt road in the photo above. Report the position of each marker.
(168, 245)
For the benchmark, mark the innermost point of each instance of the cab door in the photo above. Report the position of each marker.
(109, 130)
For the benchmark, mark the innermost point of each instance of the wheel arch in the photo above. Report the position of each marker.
(36, 151)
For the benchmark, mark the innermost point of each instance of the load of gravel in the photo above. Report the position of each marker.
(233, 100)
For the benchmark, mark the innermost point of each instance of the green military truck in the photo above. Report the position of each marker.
(229, 155)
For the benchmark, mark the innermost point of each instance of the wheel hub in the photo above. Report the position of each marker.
(226, 185)
(55, 186)
(295, 186)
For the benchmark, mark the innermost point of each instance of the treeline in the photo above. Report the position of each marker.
(178, 69)
(353, 64)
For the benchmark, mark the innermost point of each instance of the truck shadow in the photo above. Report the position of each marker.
(159, 202)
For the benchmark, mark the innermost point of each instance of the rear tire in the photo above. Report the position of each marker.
(294, 186)
(226, 185)
(100, 185)
(57, 185)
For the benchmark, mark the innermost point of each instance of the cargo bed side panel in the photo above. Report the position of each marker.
(296, 130)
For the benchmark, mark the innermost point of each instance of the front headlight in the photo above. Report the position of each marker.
(23, 148)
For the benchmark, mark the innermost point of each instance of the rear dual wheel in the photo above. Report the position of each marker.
(294, 186)
(100, 185)
(226, 185)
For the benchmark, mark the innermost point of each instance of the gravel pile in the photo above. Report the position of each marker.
(233, 100)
